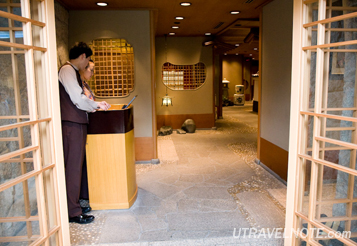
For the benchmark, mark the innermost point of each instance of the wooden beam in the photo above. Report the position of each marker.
(18, 219)
(19, 239)
(18, 152)
(322, 46)
(330, 116)
(21, 46)
(21, 19)
(332, 19)
(337, 142)
(22, 124)
(23, 177)
(330, 164)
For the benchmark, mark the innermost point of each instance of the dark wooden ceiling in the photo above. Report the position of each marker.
(203, 16)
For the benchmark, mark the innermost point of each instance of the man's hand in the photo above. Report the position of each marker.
(104, 105)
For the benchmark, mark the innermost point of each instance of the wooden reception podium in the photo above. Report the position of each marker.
(111, 159)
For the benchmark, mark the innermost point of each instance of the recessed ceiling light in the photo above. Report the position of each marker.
(250, 54)
(255, 48)
(179, 17)
(225, 54)
(185, 4)
(172, 33)
(208, 33)
(102, 4)
(235, 12)
(237, 54)
(175, 27)
(237, 45)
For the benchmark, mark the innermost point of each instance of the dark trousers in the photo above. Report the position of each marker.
(74, 137)
(84, 194)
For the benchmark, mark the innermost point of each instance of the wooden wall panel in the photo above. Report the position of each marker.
(274, 157)
(145, 149)
(176, 121)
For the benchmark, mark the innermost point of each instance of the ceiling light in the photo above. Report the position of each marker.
(179, 17)
(237, 54)
(175, 27)
(172, 33)
(208, 33)
(237, 45)
(185, 4)
(225, 54)
(250, 54)
(102, 4)
(255, 48)
(235, 12)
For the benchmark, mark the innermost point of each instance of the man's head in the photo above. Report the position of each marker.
(80, 54)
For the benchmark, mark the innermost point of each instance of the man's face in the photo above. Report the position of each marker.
(84, 61)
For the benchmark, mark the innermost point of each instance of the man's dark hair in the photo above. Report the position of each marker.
(78, 49)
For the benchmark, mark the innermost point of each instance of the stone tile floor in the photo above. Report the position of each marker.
(206, 187)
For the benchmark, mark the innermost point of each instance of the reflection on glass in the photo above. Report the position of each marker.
(18, 202)
(312, 79)
(301, 231)
(304, 189)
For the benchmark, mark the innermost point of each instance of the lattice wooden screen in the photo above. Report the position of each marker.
(31, 160)
(183, 77)
(322, 183)
(114, 68)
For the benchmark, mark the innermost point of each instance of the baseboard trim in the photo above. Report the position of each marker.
(152, 161)
(175, 121)
(258, 162)
(274, 157)
(144, 149)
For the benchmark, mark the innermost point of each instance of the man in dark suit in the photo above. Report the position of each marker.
(74, 107)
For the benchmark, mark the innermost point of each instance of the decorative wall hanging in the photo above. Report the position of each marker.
(184, 77)
(114, 68)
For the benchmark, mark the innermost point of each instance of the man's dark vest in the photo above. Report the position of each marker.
(69, 111)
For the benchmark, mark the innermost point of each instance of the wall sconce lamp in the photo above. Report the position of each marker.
(225, 80)
(225, 83)
(166, 101)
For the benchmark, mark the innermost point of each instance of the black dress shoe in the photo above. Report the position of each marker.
(82, 219)
(86, 210)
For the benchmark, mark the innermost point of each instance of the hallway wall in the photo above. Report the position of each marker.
(232, 67)
(195, 104)
(276, 85)
(134, 26)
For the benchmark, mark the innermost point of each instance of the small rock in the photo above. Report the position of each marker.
(189, 126)
(165, 130)
(179, 131)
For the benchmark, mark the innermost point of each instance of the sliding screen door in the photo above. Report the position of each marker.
(31, 162)
(322, 184)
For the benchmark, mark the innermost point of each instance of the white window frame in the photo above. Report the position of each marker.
(49, 177)
(298, 110)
